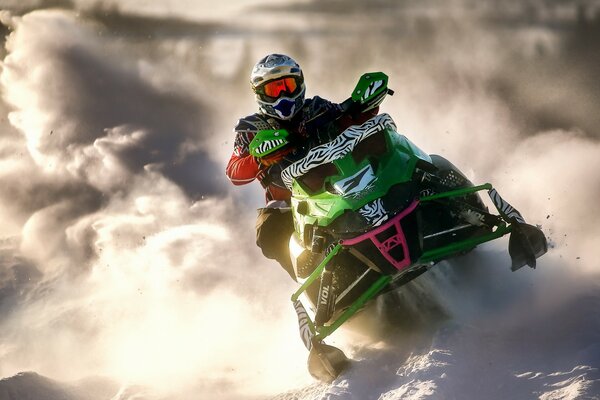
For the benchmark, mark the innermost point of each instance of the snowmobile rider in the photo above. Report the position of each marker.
(278, 83)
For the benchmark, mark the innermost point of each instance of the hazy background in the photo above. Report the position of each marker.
(126, 254)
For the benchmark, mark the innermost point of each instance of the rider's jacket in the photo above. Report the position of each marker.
(319, 121)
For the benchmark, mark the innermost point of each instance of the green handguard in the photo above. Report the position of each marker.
(370, 90)
(268, 141)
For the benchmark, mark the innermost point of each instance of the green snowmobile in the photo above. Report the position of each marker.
(371, 212)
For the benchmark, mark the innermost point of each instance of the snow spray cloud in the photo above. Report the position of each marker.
(118, 259)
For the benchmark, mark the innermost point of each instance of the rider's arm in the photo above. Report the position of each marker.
(242, 169)
(349, 119)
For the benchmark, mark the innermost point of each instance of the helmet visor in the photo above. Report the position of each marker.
(275, 87)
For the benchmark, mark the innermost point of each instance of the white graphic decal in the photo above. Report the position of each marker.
(374, 212)
(305, 333)
(268, 145)
(357, 183)
(372, 88)
(505, 208)
(337, 148)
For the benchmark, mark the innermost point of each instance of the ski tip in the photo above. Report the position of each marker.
(326, 363)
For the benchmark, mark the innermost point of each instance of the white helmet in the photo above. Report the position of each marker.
(278, 83)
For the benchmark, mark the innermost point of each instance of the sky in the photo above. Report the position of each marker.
(125, 252)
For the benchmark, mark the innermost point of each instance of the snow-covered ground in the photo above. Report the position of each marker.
(533, 336)
(127, 263)
(487, 334)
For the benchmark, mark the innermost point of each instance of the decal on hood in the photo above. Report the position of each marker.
(354, 185)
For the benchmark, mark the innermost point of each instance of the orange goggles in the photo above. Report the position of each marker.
(276, 87)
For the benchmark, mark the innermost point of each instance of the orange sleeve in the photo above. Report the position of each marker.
(242, 170)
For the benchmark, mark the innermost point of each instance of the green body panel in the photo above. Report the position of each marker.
(457, 192)
(396, 166)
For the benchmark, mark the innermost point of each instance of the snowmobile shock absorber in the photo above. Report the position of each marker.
(371, 292)
(318, 240)
(317, 272)
(326, 298)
